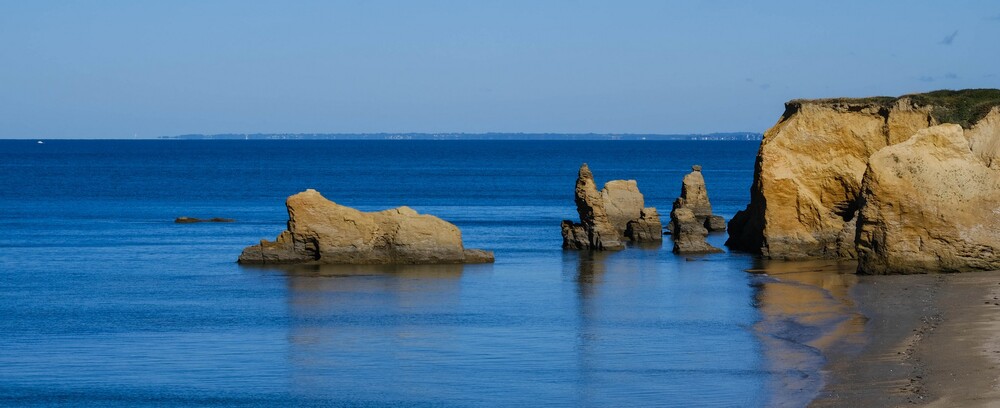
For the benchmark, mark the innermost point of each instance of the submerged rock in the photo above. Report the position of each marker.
(323, 232)
(929, 204)
(804, 199)
(610, 216)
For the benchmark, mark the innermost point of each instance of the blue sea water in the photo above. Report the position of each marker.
(104, 301)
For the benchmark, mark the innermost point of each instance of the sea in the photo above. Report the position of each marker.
(105, 301)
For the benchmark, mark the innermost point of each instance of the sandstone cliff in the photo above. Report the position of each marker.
(610, 216)
(930, 204)
(323, 232)
(807, 180)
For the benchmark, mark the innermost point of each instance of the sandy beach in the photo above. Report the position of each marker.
(930, 340)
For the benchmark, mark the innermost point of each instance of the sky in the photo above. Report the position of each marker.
(125, 69)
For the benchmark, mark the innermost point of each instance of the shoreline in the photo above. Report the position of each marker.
(931, 340)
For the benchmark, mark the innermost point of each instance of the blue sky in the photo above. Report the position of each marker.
(115, 69)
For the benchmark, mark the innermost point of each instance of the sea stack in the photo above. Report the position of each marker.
(323, 232)
(694, 196)
(827, 183)
(691, 217)
(609, 217)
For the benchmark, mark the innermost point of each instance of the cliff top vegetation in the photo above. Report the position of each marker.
(963, 107)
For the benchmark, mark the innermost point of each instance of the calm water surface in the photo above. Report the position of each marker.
(106, 302)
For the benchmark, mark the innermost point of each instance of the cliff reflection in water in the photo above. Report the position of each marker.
(806, 314)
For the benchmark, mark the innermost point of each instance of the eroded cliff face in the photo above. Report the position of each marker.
(930, 204)
(809, 169)
(984, 139)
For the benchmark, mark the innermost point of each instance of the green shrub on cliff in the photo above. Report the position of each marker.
(964, 107)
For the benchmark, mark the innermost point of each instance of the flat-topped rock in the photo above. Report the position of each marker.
(321, 231)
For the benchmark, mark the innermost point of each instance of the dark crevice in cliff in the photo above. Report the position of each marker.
(847, 210)
(746, 228)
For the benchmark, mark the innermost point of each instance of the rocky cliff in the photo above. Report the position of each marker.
(930, 204)
(610, 216)
(804, 200)
(323, 232)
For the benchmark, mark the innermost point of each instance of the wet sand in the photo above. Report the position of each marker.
(930, 340)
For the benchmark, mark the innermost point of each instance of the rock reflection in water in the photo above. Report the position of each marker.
(589, 269)
(613, 291)
(806, 314)
(589, 273)
(370, 327)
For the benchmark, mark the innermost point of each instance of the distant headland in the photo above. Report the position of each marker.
(467, 136)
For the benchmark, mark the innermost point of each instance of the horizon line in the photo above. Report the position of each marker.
(742, 135)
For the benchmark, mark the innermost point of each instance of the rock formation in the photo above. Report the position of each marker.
(646, 228)
(610, 216)
(694, 196)
(715, 223)
(323, 232)
(689, 233)
(804, 199)
(691, 217)
(623, 202)
(930, 204)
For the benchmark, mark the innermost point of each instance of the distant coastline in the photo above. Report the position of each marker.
(466, 136)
